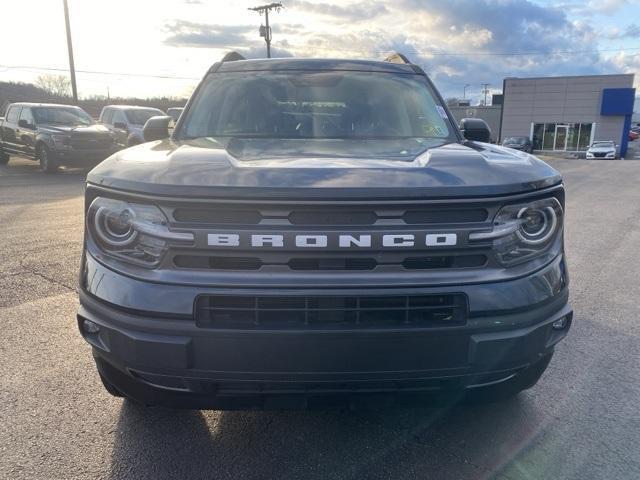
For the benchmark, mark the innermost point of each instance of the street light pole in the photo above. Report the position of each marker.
(266, 30)
(72, 68)
(464, 91)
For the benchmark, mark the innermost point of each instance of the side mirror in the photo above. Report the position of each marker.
(25, 124)
(156, 128)
(475, 129)
(120, 125)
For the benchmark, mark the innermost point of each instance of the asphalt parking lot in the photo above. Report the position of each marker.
(582, 421)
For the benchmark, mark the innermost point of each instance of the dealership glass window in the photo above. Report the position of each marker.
(573, 131)
(538, 134)
(578, 136)
(549, 136)
(584, 139)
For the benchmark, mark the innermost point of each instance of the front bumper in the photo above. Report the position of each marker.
(166, 359)
(82, 158)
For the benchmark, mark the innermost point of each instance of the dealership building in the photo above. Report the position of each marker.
(568, 113)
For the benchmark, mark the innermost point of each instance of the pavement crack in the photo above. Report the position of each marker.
(36, 273)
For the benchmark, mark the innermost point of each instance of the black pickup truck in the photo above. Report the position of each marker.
(320, 230)
(54, 135)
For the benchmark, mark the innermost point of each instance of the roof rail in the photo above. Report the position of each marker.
(232, 57)
(397, 58)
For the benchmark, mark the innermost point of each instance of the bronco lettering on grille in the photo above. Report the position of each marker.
(325, 241)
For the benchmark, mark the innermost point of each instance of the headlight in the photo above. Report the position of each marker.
(61, 140)
(525, 231)
(132, 232)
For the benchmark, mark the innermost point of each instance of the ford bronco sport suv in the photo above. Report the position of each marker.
(317, 230)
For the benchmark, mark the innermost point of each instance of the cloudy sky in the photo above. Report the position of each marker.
(162, 47)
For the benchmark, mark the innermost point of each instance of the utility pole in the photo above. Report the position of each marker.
(72, 68)
(265, 31)
(485, 88)
(464, 91)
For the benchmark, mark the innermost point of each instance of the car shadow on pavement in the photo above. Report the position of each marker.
(442, 441)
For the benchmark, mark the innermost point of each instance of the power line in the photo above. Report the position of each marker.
(438, 54)
(96, 72)
(178, 77)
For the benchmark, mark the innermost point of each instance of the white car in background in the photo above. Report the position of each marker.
(602, 149)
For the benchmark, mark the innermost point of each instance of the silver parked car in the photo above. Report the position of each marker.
(126, 122)
(174, 113)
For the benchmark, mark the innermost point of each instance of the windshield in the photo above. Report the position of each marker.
(140, 116)
(516, 140)
(317, 105)
(61, 116)
(602, 144)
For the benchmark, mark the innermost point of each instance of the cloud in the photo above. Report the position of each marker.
(631, 31)
(459, 42)
(289, 28)
(606, 7)
(455, 41)
(515, 25)
(364, 10)
(183, 33)
(261, 52)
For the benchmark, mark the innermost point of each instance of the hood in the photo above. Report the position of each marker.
(329, 169)
(80, 129)
(601, 149)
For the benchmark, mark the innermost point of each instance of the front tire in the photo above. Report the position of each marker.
(48, 163)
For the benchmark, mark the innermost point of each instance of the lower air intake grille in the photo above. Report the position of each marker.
(330, 312)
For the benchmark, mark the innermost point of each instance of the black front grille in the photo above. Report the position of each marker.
(445, 215)
(340, 216)
(600, 154)
(217, 216)
(329, 217)
(217, 262)
(330, 312)
(91, 143)
(333, 263)
(334, 220)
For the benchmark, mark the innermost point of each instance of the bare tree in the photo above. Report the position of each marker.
(57, 85)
